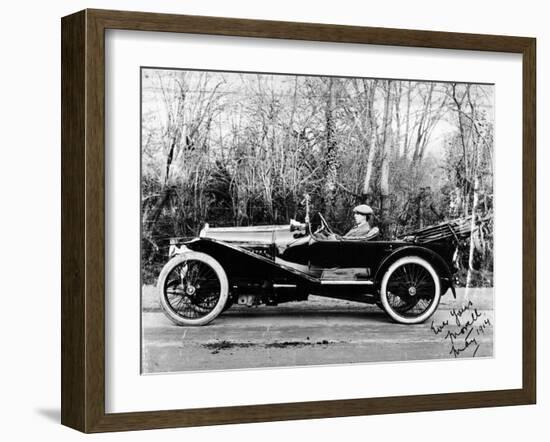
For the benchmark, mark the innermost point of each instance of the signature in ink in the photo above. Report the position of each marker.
(438, 328)
(462, 332)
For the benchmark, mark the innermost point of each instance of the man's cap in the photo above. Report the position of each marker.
(363, 209)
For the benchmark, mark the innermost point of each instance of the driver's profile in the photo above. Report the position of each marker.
(362, 215)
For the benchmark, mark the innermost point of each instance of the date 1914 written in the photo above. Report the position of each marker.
(467, 323)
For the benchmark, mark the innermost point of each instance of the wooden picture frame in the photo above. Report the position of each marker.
(83, 220)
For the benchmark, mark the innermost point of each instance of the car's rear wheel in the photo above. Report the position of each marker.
(193, 289)
(410, 290)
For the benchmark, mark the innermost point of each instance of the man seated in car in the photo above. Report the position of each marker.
(363, 217)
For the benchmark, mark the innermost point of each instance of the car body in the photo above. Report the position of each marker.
(254, 265)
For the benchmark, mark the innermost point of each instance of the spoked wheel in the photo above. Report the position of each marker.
(193, 289)
(410, 290)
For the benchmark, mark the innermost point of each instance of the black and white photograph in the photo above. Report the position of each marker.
(260, 221)
(303, 220)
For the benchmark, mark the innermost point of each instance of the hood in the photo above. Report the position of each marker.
(245, 234)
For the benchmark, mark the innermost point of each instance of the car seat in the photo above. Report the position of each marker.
(372, 234)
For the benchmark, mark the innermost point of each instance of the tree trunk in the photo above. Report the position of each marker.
(331, 157)
(397, 103)
(423, 128)
(371, 124)
(458, 103)
(407, 123)
(385, 168)
(476, 173)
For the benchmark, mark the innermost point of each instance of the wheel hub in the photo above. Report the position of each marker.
(412, 291)
(190, 290)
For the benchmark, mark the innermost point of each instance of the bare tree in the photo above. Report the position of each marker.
(244, 148)
(331, 154)
(385, 151)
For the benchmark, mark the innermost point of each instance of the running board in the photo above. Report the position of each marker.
(345, 282)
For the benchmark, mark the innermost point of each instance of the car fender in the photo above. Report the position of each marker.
(432, 257)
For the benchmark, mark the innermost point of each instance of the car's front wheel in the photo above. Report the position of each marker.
(193, 289)
(410, 290)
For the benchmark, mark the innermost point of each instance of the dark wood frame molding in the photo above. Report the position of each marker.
(83, 217)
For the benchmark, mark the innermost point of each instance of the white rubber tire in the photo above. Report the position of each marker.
(220, 273)
(383, 293)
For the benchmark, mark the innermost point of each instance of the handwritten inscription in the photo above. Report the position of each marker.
(462, 329)
(439, 327)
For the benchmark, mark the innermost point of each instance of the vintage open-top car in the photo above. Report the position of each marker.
(281, 263)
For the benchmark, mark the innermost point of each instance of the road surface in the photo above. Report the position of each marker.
(316, 332)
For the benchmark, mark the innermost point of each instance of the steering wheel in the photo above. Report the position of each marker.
(324, 226)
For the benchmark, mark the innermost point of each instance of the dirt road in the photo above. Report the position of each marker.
(317, 332)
